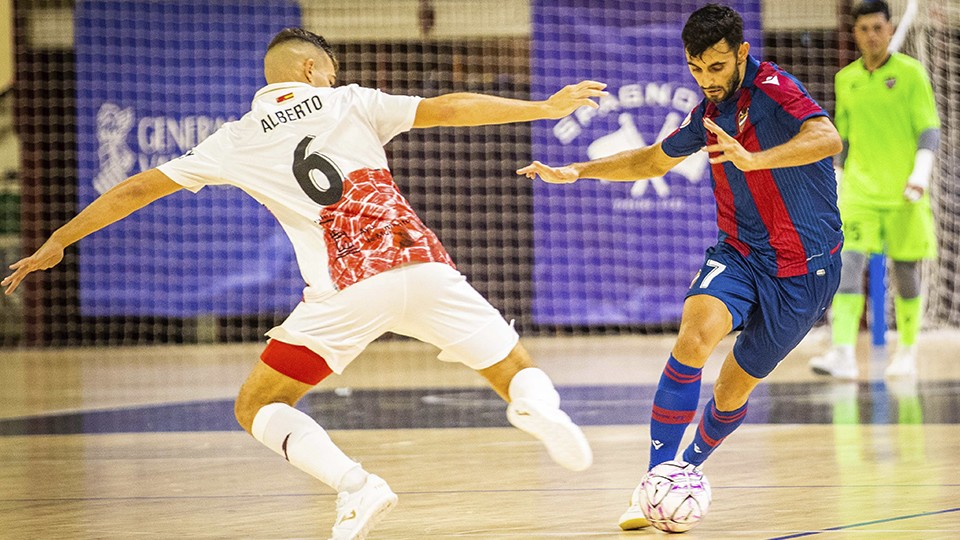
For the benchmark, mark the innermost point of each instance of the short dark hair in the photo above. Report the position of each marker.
(708, 25)
(869, 7)
(299, 34)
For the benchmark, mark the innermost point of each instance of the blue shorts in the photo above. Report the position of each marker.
(773, 313)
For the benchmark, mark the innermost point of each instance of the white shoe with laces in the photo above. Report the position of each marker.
(565, 441)
(359, 512)
(838, 362)
(903, 364)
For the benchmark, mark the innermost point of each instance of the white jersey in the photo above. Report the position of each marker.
(314, 157)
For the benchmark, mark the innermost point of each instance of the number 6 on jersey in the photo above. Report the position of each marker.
(325, 190)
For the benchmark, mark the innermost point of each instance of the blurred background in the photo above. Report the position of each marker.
(94, 91)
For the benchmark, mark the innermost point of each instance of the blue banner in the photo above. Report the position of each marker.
(619, 253)
(153, 80)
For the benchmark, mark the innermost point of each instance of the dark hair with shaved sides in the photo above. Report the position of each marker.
(299, 34)
(710, 24)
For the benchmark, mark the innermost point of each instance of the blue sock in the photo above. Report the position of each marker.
(674, 406)
(714, 427)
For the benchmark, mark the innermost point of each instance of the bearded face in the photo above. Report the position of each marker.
(719, 70)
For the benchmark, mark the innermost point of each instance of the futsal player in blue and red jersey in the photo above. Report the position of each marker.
(776, 264)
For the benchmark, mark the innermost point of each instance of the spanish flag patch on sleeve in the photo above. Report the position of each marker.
(285, 97)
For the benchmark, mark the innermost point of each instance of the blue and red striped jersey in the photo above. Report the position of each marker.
(785, 219)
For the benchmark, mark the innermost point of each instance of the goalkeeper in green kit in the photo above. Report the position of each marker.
(887, 118)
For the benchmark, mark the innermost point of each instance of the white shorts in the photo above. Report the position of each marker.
(431, 302)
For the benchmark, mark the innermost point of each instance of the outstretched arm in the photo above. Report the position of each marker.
(628, 166)
(122, 200)
(817, 139)
(467, 109)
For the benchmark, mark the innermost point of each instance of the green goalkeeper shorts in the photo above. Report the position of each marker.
(904, 233)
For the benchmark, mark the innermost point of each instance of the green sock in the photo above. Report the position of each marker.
(908, 319)
(909, 410)
(847, 309)
(846, 409)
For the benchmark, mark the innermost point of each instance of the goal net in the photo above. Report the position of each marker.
(104, 89)
(935, 40)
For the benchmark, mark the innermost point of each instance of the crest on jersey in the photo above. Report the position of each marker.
(742, 118)
(890, 82)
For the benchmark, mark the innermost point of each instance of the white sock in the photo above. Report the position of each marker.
(353, 480)
(533, 383)
(299, 439)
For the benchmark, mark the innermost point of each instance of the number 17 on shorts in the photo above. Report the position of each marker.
(715, 269)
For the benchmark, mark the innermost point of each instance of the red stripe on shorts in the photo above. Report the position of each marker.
(295, 361)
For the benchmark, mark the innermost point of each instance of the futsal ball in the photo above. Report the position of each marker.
(674, 496)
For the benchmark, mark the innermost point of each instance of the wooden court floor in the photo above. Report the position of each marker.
(131, 443)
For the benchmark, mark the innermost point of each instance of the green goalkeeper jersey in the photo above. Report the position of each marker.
(881, 115)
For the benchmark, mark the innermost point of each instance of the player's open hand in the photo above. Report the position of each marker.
(574, 96)
(728, 148)
(550, 175)
(48, 256)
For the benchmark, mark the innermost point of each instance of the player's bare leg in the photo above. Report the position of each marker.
(263, 386)
(733, 386)
(705, 321)
(534, 407)
(264, 408)
(502, 373)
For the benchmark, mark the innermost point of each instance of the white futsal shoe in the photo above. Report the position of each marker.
(633, 518)
(838, 362)
(359, 512)
(903, 364)
(565, 441)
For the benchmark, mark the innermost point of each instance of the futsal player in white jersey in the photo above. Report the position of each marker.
(313, 155)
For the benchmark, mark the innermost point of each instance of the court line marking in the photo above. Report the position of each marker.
(865, 523)
(321, 496)
(428, 492)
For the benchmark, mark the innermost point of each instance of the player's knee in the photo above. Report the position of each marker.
(249, 402)
(694, 346)
(258, 392)
(851, 273)
(704, 323)
(906, 278)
